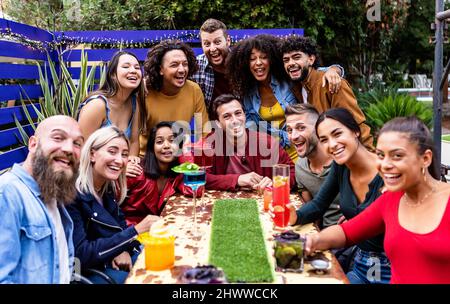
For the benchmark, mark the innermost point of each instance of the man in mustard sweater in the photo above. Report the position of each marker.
(171, 96)
(300, 58)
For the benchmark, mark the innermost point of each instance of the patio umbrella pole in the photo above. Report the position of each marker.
(438, 69)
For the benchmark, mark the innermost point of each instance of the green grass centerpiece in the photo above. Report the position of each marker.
(237, 242)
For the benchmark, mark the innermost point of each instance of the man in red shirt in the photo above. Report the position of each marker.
(243, 158)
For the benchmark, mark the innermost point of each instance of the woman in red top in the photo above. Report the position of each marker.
(414, 212)
(150, 189)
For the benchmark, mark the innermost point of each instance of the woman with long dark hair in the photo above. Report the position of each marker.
(120, 101)
(413, 213)
(149, 191)
(354, 176)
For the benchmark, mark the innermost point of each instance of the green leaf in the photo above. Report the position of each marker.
(186, 167)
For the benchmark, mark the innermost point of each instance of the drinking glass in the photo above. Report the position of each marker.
(280, 194)
(194, 180)
(202, 154)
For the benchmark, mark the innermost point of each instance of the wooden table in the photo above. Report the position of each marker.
(189, 251)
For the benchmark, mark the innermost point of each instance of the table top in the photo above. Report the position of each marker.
(192, 251)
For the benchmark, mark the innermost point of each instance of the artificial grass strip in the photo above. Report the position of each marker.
(237, 242)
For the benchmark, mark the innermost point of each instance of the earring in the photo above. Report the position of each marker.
(424, 175)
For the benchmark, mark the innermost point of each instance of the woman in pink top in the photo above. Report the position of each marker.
(414, 212)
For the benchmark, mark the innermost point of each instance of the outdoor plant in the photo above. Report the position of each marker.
(380, 109)
(61, 93)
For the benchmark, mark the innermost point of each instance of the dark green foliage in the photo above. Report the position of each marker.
(380, 108)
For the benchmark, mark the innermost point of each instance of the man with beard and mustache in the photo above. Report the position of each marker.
(243, 158)
(300, 59)
(313, 165)
(35, 229)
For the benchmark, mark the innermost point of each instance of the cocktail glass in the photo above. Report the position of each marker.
(203, 156)
(194, 180)
(280, 195)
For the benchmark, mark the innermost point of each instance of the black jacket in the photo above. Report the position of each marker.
(100, 232)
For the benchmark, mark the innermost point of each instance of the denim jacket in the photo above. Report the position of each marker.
(28, 249)
(252, 103)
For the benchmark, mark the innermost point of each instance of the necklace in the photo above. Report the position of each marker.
(408, 202)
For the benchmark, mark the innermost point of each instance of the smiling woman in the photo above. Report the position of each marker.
(354, 177)
(101, 237)
(119, 101)
(149, 191)
(413, 213)
(256, 75)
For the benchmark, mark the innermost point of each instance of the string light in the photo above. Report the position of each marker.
(187, 36)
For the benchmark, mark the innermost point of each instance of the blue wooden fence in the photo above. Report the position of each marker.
(22, 46)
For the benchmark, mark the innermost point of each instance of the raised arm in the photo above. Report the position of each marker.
(365, 225)
(134, 140)
(333, 75)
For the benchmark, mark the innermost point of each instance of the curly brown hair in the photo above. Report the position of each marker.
(299, 43)
(238, 63)
(153, 62)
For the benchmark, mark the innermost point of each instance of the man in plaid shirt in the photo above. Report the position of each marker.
(216, 47)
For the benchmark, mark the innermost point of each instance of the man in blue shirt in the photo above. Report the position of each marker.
(35, 229)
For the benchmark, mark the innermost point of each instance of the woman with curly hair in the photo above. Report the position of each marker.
(171, 96)
(256, 74)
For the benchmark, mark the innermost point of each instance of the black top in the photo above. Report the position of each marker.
(338, 182)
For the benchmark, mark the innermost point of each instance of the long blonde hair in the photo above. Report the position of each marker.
(85, 180)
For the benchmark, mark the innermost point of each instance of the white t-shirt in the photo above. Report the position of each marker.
(61, 242)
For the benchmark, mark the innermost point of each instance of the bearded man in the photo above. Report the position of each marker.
(35, 229)
(300, 59)
(314, 162)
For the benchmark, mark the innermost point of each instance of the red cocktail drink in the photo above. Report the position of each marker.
(280, 195)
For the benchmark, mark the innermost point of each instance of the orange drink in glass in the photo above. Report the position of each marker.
(280, 195)
(267, 198)
(159, 248)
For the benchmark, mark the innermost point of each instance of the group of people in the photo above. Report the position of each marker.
(90, 186)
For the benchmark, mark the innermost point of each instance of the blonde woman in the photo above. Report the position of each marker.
(101, 237)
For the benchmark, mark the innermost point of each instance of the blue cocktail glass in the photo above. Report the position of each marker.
(194, 180)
